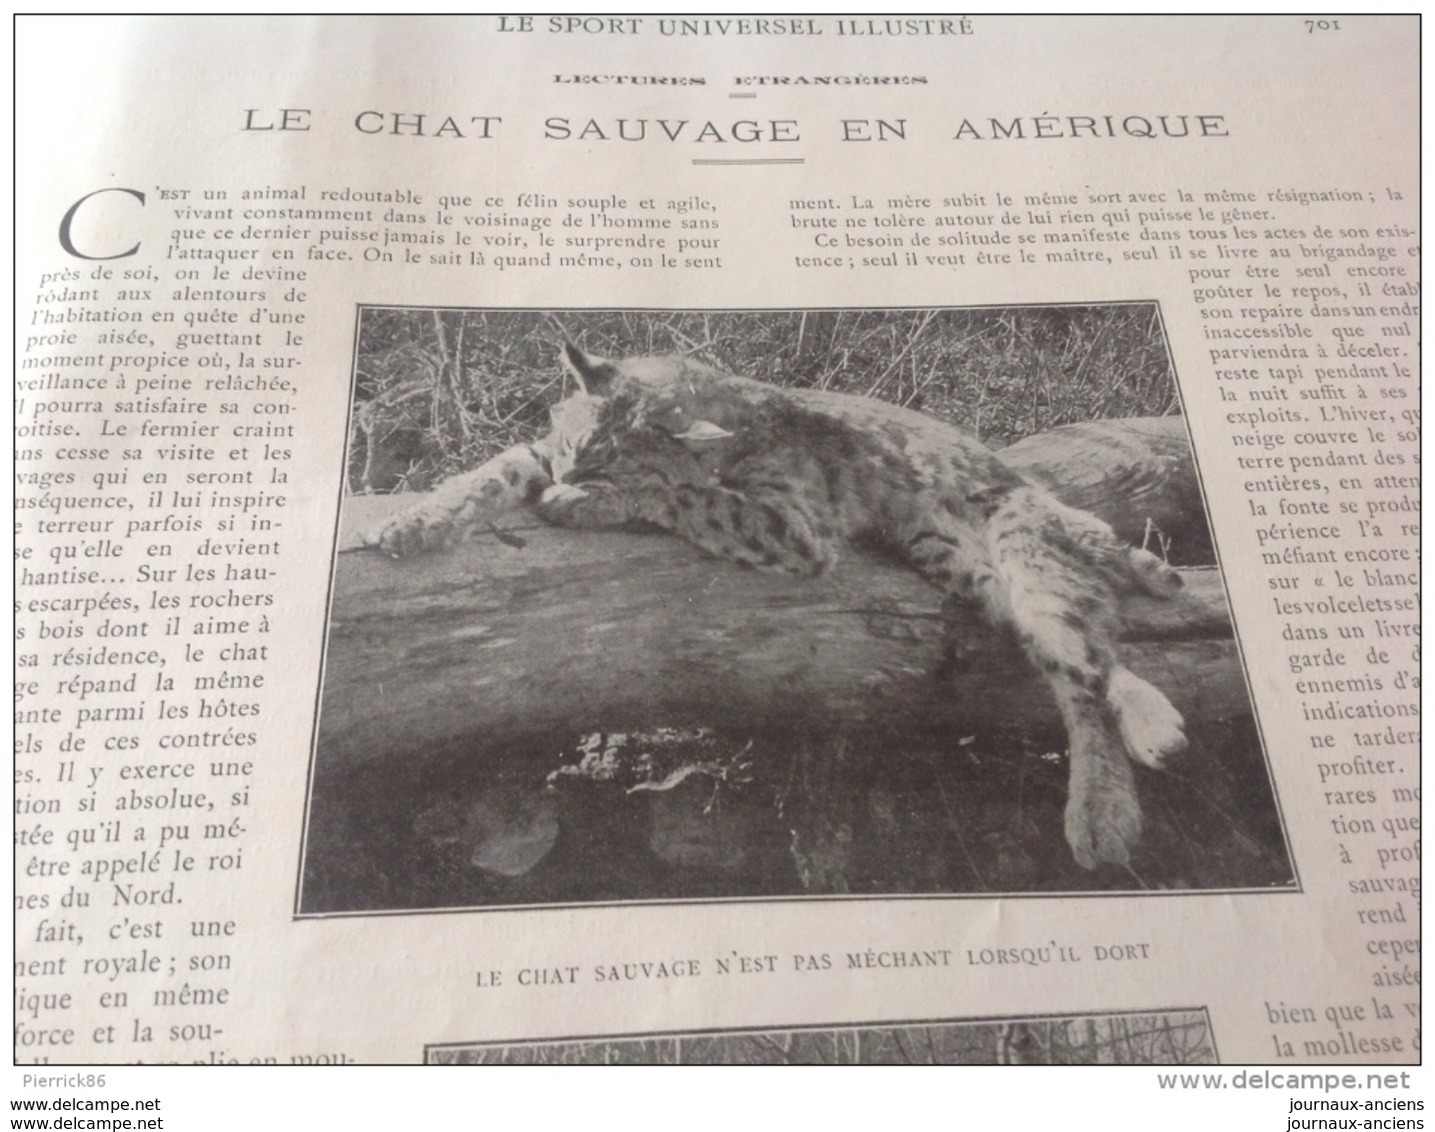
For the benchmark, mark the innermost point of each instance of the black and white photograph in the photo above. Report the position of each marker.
(655, 605)
(1166, 1037)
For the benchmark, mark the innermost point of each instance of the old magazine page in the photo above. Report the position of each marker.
(717, 539)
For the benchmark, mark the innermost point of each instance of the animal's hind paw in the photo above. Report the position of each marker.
(1151, 728)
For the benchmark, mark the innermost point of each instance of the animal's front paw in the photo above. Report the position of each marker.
(1151, 728)
(417, 531)
(1103, 819)
(567, 505)
(561, 494)
(585, 507)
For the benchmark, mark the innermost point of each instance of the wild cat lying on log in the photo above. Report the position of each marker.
(782, 479)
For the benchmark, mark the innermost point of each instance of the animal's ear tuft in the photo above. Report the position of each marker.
(595, 376)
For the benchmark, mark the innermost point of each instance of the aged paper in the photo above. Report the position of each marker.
(325, 756)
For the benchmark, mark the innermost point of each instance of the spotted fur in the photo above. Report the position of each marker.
(785, 479)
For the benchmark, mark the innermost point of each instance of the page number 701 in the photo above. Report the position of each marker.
(1313, 26)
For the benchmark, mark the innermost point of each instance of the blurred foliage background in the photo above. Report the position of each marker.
(439, 391)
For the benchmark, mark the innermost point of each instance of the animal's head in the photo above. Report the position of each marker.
(677, 396)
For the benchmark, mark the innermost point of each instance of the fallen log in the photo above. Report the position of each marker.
(575, 631)
(1137, 474)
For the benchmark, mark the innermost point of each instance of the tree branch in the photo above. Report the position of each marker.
(578, 631)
